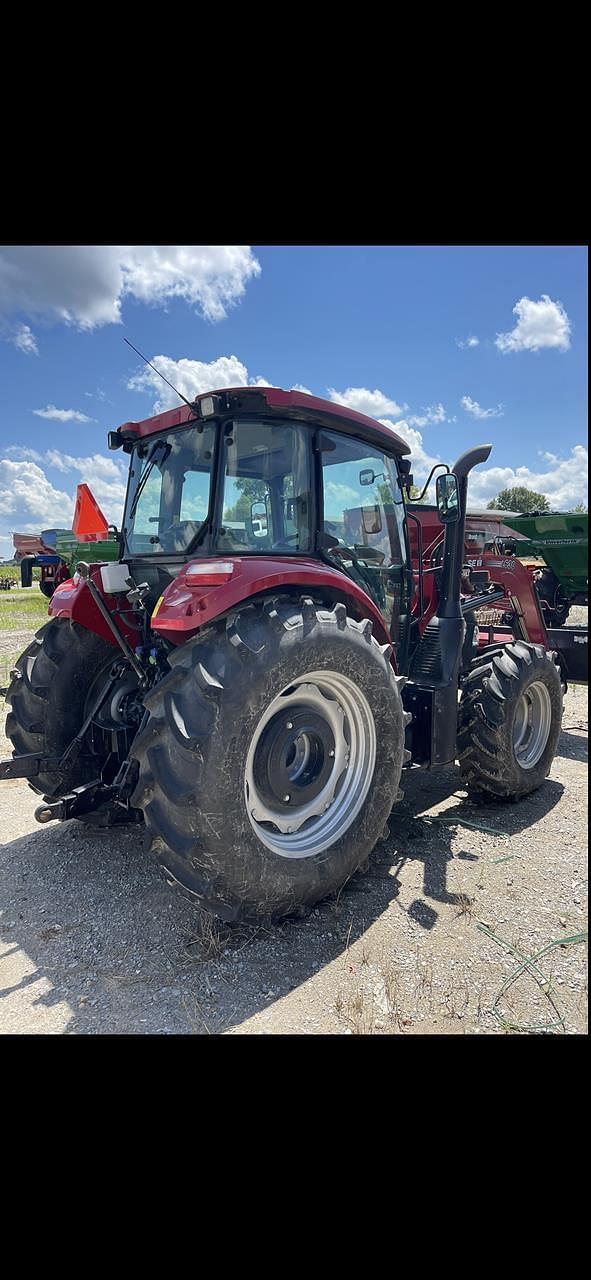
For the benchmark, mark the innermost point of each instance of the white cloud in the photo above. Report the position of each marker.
(339, 493)
(23, 454)
(539, 324)
(465, 343)
(472, 406)
(432, 414)
(420, 459)
(373, 403)
(28, 498)
(99, 394)
(63, 415)
(32, 502)
(85, 285)
(24, 339)
(564, 485)
(105, 468)
(192, 377)
(106, 478)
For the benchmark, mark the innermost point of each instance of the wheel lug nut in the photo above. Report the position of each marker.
(331, 753)
(289, 725)
(286, 799)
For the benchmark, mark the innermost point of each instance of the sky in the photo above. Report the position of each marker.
(450, 346)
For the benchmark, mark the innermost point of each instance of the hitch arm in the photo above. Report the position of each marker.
(28, 766)
(81, 800)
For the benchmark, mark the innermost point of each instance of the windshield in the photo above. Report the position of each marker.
(169, 491)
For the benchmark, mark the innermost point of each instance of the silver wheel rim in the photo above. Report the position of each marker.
(532, 723)
(335, 760)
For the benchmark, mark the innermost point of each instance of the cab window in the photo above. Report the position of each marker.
(363, 521)
(267, 495)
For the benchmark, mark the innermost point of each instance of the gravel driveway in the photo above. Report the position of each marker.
(94, 941)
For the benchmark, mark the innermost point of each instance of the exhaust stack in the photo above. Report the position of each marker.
(440, 652)
(453, 547)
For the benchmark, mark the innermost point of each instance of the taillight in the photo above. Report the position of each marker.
(210, 574)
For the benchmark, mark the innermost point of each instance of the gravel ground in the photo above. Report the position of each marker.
(93, 940)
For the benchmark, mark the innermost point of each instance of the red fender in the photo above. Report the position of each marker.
(73, 600)
(188, 605)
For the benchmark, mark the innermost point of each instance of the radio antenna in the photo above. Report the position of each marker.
(192, 407)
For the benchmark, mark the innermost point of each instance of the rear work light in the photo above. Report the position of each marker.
(212, 574)
(208, 406)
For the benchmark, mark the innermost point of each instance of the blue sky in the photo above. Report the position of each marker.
(450, 345)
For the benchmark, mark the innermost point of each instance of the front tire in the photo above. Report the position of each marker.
(509, 721)
(271, 759)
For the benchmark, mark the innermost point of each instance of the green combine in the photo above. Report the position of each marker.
(560, 540)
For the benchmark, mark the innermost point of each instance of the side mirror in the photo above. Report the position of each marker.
(367, 477)
(448, 498)
(258, 519)
(371, 520)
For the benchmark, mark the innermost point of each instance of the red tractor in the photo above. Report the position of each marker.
(252, 676)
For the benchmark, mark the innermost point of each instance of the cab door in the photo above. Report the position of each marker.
(364, 512)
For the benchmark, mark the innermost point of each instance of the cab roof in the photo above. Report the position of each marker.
(274, 400)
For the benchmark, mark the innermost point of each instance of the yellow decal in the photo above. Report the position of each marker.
(157, 606)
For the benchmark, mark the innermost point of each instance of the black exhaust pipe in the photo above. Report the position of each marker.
(440, 652)
(450, 620)
(453, 547)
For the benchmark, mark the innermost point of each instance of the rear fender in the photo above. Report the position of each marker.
(72, 599)
(187, 606)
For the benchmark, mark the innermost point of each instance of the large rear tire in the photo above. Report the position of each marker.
(509, 721)
(271, 759)
(49, 695)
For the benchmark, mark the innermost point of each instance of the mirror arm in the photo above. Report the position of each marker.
(430, 477)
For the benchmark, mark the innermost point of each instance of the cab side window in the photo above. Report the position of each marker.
(363, 514)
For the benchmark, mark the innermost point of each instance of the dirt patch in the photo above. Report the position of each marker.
(428, 940)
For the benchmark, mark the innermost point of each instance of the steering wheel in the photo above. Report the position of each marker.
(343, 550)
(285, 542)
(179, 535)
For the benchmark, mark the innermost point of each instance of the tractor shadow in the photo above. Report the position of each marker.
(573, 746)
(417, 835)
(94, 941)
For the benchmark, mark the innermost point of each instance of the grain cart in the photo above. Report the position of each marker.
(560, 539)
(254, 674)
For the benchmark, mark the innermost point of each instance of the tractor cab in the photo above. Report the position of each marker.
(248, 483)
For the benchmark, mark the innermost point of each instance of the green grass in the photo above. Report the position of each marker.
(14, 571)
(23, 611)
